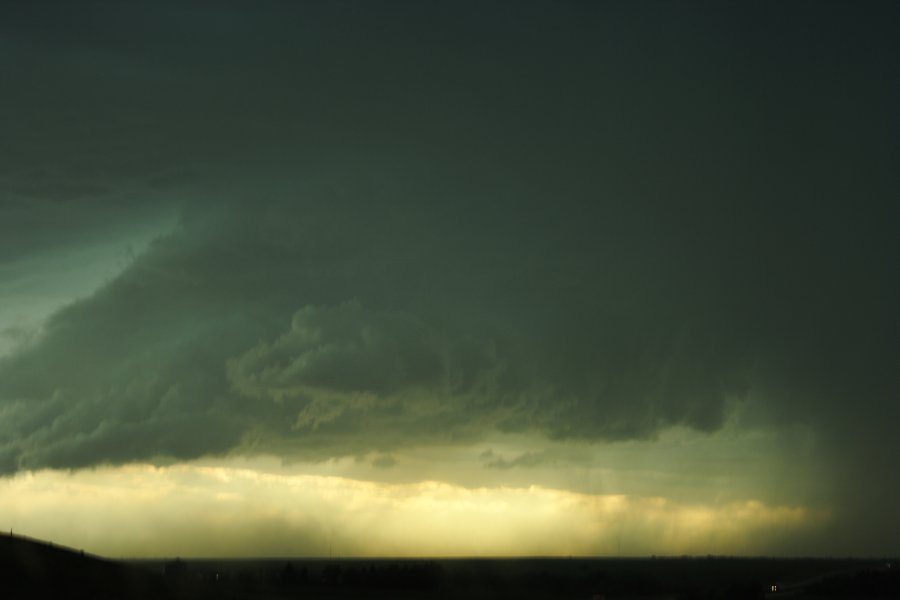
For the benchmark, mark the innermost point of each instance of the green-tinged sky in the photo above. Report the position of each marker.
(450, 278)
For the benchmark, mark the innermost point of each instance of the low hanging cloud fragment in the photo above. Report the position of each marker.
(345, 349)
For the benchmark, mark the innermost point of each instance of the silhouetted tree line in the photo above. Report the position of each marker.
(749, 590)
(425, 575)
(291, 576)
(686, 579)
(625, 582)
(865, 584)
(175, 569)
(418, 575)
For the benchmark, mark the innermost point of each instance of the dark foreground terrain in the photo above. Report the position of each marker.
(34, 569)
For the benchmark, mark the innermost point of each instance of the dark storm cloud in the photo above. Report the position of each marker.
(578, 222)
(348, 340)
(325, 327)
(342, 348)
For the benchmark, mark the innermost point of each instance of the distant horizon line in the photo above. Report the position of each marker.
(447, 558)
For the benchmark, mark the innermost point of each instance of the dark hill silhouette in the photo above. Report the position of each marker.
(32, 568)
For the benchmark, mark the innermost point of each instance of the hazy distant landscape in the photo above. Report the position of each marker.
(36, 569)
(316, 295)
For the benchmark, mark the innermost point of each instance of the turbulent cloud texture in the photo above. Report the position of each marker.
(339, 333)
(406, 227)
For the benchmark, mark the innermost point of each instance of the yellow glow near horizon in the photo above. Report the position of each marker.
(201, 510)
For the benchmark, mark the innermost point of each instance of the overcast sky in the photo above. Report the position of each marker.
(456, 263)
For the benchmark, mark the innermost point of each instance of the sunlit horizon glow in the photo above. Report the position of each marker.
(197, 510)
(439, 279)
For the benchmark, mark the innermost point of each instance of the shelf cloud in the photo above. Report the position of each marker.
(324, 232)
